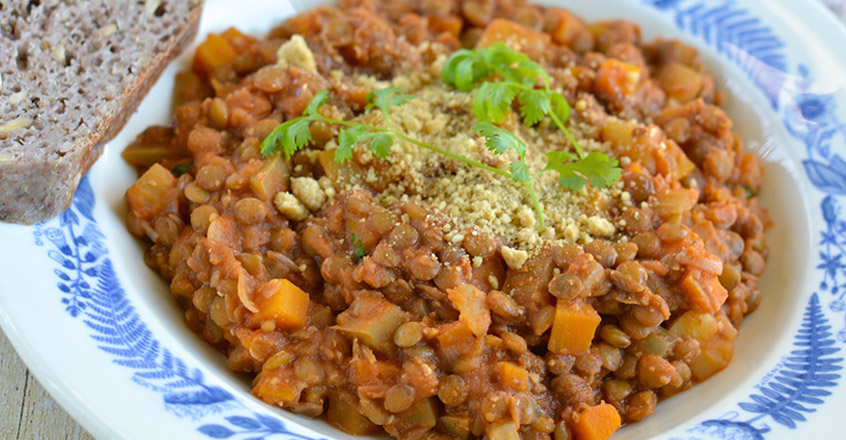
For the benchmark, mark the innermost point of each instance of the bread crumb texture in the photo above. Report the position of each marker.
(472, 197)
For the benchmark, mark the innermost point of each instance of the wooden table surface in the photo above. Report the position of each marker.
(28, 412)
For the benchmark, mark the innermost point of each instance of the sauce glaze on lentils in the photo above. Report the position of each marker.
(426, 337)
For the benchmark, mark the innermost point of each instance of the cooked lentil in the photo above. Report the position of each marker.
(461, 318)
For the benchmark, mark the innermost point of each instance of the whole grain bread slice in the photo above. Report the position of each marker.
(73, 71)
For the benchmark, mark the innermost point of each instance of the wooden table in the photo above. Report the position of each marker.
(28, 412)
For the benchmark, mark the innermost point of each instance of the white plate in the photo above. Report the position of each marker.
(101, 332)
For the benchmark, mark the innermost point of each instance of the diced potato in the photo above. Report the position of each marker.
(618, 132)
(372, 320)
(513, 375)
(716, 340)
(337, 172)
(573, 327)
(271, 178)
(284, 303)
(422, 414)
(517, 37)
(456, 427)
(343, 414)
(672, 202)
(505, 430)
(472, 306)
(680, 82)
(146, 197)
(212, 53)
(617, 78)
(596, 422)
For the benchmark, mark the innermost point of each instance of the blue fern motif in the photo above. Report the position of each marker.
(256, 426)
(804, 375)
(91, 290)
(738, 35)
(120, 332)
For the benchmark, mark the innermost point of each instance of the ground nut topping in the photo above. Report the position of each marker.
(412, 294)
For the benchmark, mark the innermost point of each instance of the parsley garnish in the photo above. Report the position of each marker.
(498, 75)
(358, 248)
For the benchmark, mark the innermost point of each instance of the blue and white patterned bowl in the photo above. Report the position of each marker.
(101, 332)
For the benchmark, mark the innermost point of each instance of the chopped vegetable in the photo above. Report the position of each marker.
(596, 422)
(147, 196)
(359, 250)
(271, 178)
(505, 430)
(617, 78)
(513, 375)
(213, 53)
(343, 414)
(280, 301)
(716, 340)
(573, 327)
(457, 427)
(372, 320)
(472, 307)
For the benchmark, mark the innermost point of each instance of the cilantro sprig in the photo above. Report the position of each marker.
(498, 76)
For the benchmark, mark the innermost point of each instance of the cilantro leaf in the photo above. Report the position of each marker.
(534, 105)
(560, 107)
(502, 58)
(464, 77)
(599, 169)
(500, 140)
(315, 103)
(383, 99)
(520, 171)
(348, 138)
(492, 101)
(291, 135)
(381, 145)
(448, 73)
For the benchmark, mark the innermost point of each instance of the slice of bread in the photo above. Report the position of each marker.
(73, 71)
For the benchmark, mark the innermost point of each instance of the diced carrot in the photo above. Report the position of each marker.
(240, 42)
(471, 304)
(284, 303)
(571, 31)
(278, 386)
(513, 376)
(214, 52)
(517, 37)
(455, 339)
(573, 327)
(147, 196)
(617, 78)
(446, 23)
(596, 422)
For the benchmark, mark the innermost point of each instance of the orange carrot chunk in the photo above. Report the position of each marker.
(284, 303)
(573, 327)
(596, 422)
(214, 52)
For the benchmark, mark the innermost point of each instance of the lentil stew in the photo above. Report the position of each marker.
(418, 296)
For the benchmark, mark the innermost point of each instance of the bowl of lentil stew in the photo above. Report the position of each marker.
(503, 355)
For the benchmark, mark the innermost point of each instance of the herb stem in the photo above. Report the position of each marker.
(411, 140)
(567, 133)
(537, 205)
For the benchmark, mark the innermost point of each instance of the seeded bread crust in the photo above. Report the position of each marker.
(73, 72)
